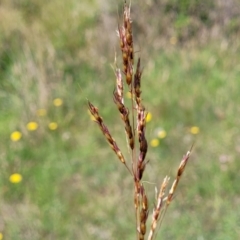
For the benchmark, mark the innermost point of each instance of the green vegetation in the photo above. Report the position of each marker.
(70, 188)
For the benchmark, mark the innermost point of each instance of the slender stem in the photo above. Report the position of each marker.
(134, 163)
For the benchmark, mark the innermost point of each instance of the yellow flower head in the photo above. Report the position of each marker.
(57, 102)
(154, 142)
(149, 117)
(194, 130)
(32, 126)
(1, 236)
(162, 133)
(41, 112)
(53, 125)
(15, 178)
(129, 95)
(16, 136)
(173, 40)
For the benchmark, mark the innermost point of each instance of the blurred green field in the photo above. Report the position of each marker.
(54, 55)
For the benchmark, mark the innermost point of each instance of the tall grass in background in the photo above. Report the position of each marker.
(54, 181)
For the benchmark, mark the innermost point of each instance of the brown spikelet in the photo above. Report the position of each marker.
(137, 83)
(158, 208)
(126, 44)
(178, 176)
(137, 191)
(119, 84)
(106, 133)
(137, 202)
(143, 213)
(129, 73)
(125, 117)
(141, 121)
(143, 145)
(128, 30)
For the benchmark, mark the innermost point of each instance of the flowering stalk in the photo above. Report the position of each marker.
(136, 136)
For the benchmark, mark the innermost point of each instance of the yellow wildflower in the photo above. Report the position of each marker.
(1, 236)
(194, 130)
(129, 95)
(53, 125)
(173, 40)
(154, 142)
(15, 136)
(32, 126)
(57, 102)
(15, 178)
(149, 117)
(162, 133)
(41, 112)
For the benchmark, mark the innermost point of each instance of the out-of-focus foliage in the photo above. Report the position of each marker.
(58, 178)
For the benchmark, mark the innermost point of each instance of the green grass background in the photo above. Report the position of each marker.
(73, 185)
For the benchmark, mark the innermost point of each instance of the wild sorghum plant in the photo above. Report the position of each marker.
(134, 118)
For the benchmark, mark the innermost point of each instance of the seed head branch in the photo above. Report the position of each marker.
(124, 111)
(143, 145)
(126, 44)
(178, 176)
(158, 208)
(98, 119)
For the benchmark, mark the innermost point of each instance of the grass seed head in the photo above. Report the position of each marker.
(136, 130)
